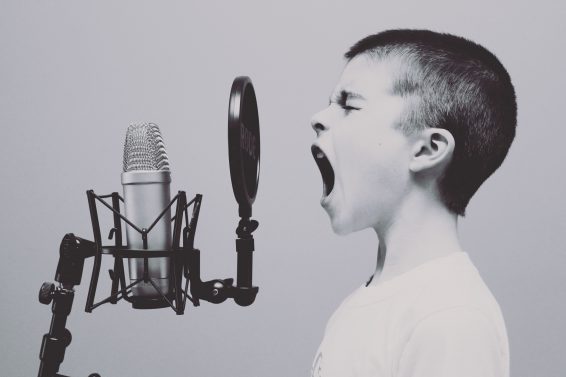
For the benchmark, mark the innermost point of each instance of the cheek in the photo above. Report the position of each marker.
(373, 160)
(379, 176)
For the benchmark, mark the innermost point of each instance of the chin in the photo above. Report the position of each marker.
(340, 230)
(343, 226)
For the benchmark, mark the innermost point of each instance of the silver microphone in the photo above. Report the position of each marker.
(146, 180)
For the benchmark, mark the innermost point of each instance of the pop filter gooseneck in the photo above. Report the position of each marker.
(243, 143)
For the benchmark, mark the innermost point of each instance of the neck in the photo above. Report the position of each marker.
(421, 231)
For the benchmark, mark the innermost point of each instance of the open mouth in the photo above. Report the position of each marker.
(325, 169)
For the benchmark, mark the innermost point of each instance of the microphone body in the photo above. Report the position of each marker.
(146, 194)
(146, 181)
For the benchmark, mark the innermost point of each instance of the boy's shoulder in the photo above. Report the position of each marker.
(441, 288)
(446, 294)
(433, 316)
(443, 284)
(452, 308)
(444, 287)
(447, 283)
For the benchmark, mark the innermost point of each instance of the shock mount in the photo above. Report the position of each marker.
(184, 275)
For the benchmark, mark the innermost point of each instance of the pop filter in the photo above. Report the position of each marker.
(243, 143)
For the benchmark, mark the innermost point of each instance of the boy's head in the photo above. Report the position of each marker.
(405, 95)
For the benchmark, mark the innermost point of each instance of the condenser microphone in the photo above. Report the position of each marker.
(146, 180)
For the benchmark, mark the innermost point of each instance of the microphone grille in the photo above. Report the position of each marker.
(144, 148)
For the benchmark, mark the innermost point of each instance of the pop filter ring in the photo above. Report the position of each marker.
(243, 143)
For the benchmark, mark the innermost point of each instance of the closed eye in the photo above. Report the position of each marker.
(349, 108)
(342, 97)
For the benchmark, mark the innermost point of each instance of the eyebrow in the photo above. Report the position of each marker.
(343, 96)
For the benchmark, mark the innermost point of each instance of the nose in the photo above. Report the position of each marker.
(317, 123)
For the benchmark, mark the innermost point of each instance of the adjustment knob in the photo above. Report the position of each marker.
(66, 337)
(46, 293)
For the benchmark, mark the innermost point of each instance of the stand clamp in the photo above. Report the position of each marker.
(72, 254)
(218, 290)
(245, 247)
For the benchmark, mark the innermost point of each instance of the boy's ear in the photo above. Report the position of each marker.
(432, 150)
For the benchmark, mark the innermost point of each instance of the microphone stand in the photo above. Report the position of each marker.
(72, 254)
(185, 262)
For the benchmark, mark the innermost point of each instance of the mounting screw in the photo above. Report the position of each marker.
(46, 293)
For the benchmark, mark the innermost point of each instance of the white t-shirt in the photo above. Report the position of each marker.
(437, 320)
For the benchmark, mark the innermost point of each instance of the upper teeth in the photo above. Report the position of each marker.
(319, 155)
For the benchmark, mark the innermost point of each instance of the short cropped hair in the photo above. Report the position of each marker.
(455, 84)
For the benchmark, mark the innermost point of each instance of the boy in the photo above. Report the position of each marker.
(415, 125)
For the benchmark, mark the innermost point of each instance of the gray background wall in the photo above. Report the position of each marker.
(74, 74)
